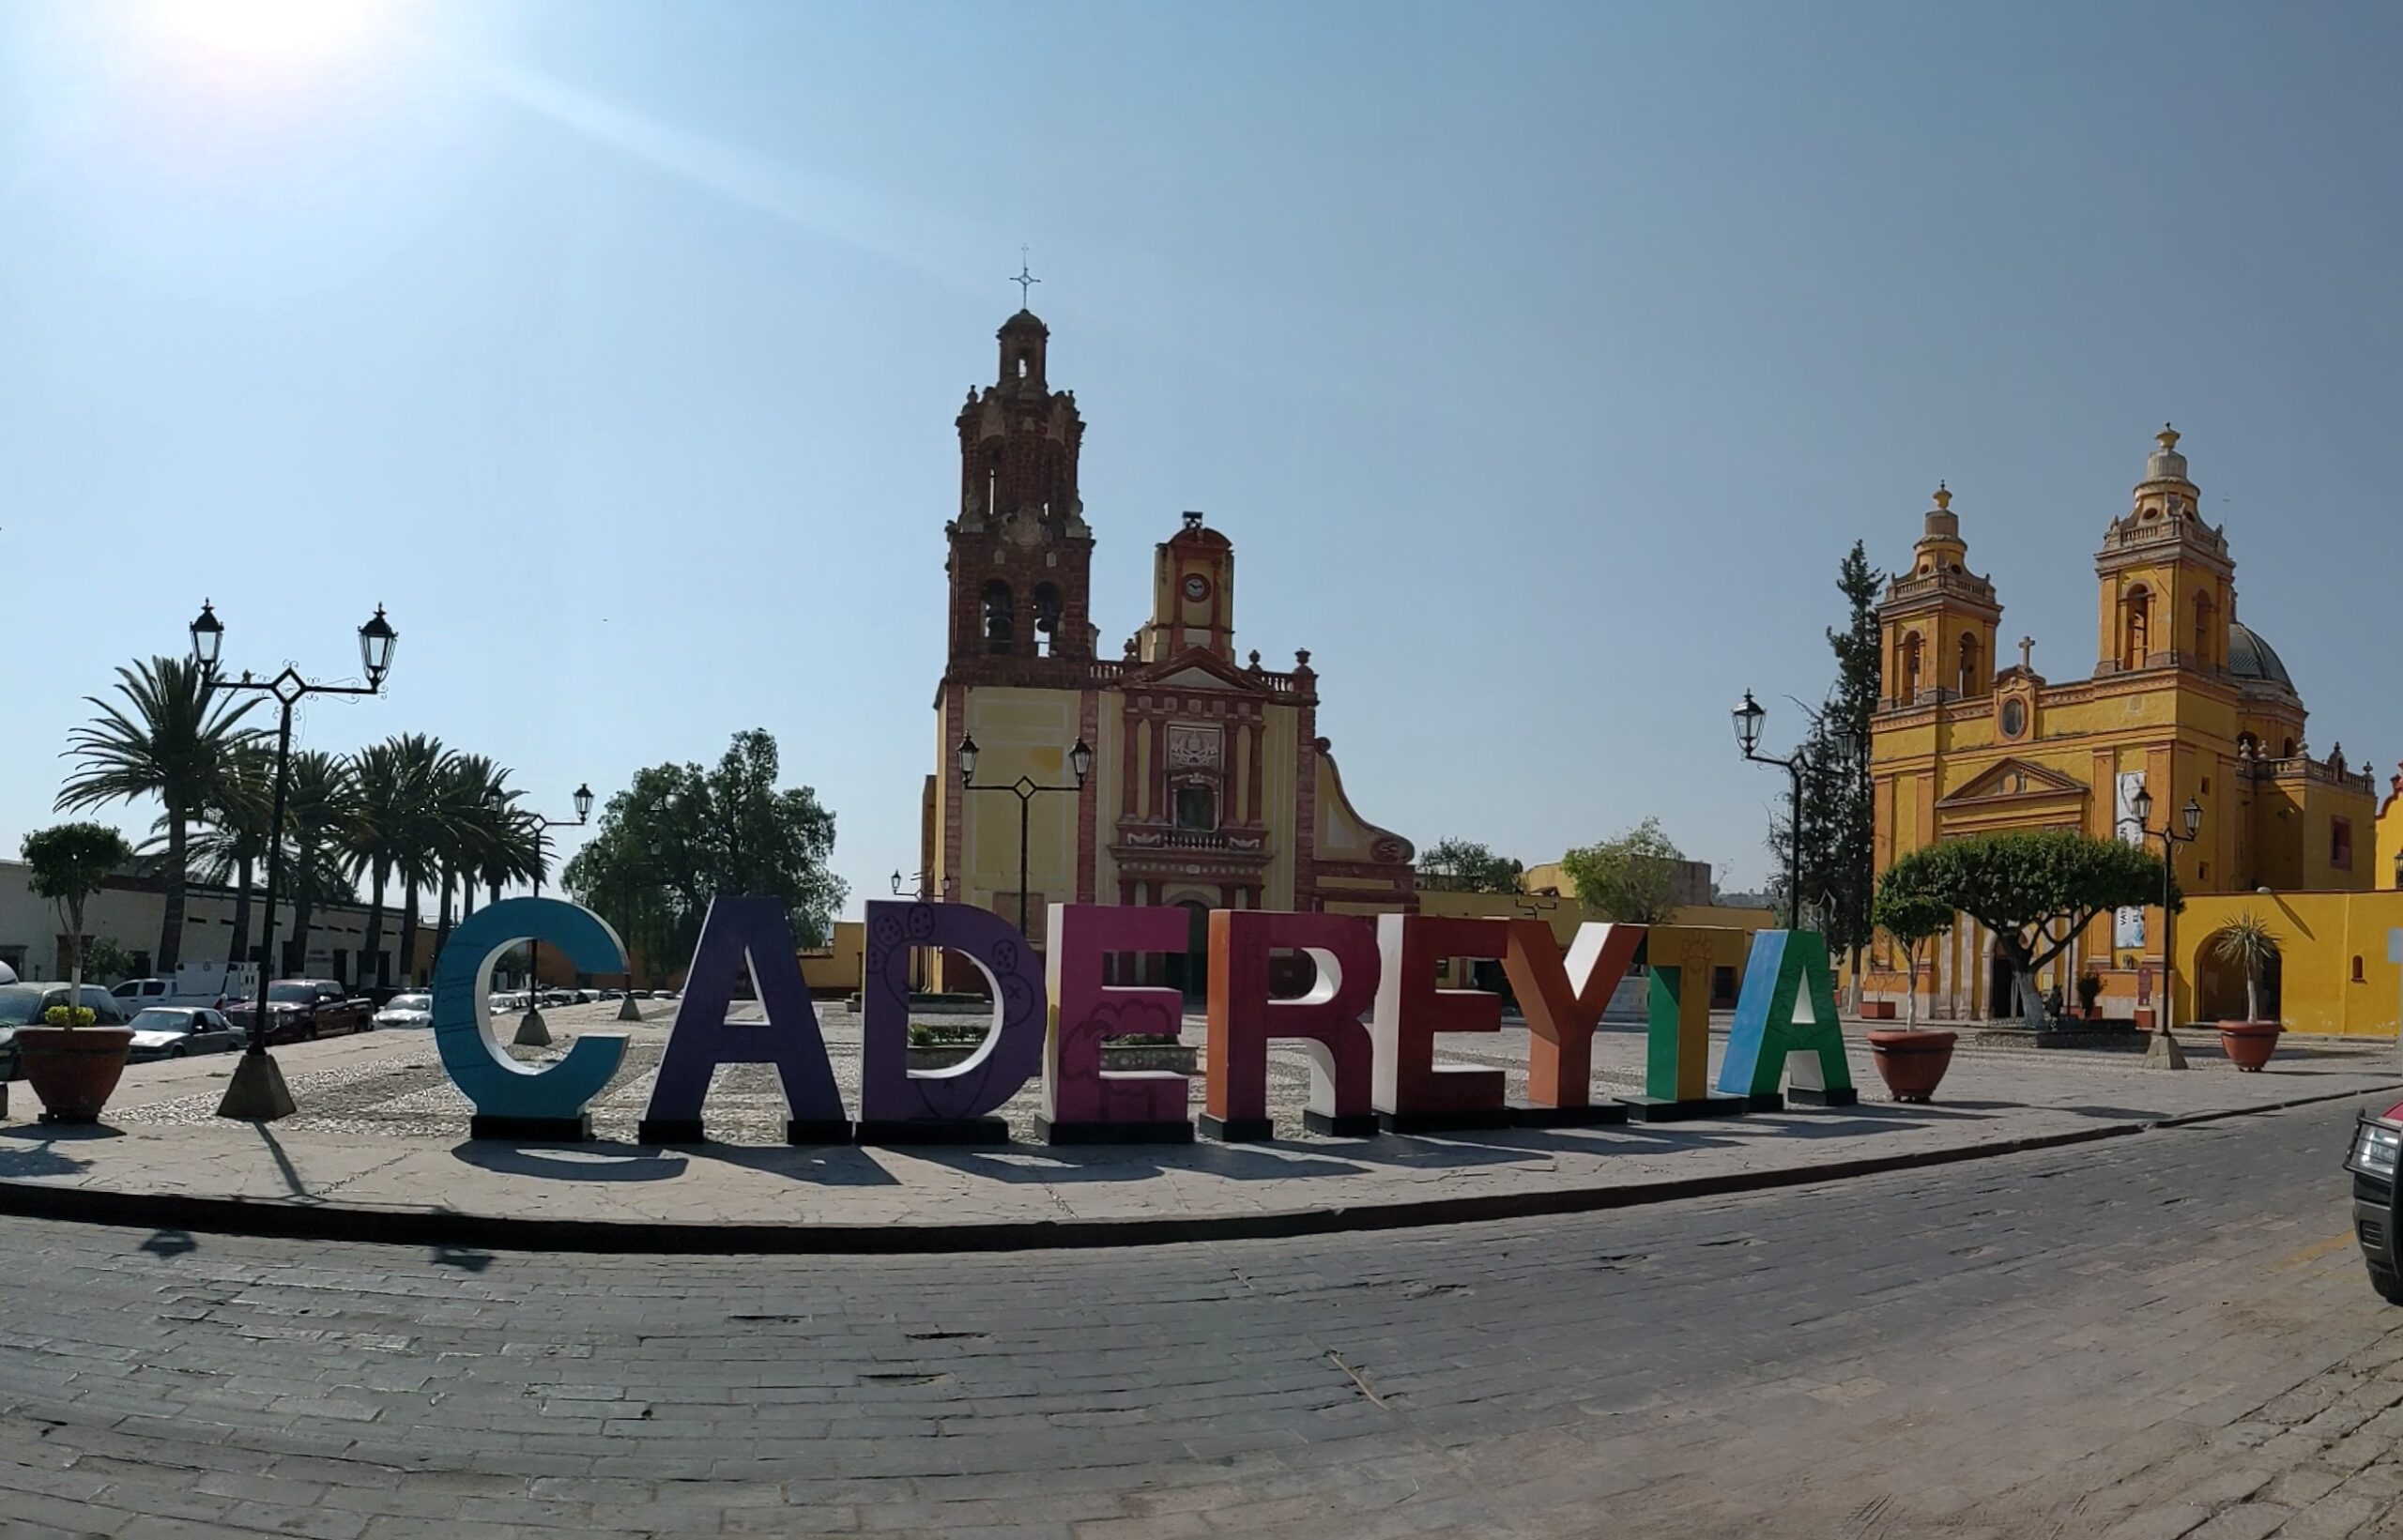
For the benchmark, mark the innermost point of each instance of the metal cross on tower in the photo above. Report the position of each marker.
(1025, 279)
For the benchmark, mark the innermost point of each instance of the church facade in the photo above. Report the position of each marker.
(2185, 701)
(1208, 786)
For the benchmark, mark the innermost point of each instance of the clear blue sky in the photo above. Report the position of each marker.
(1541, 361)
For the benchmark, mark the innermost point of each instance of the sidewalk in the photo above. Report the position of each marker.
(379, 1150)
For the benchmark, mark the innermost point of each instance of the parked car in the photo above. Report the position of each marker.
(407, 1011)
(299, 1009)
(22, 1005)
(585, 996)
(2378, 1139)
(134, 994)
(177, 1031)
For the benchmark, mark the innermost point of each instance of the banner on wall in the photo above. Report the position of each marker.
(2127, 925)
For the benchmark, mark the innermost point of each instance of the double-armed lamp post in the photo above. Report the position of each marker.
(2165, 1050)
(256, 1092)
(532, 1031)
(918, 890)
(1079, 760)
(1748, 717)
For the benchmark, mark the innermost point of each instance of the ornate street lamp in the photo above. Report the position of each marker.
(1080, 761)
(1748, 717)
(256, 1092)
(2165, 1050)
(532, 1032)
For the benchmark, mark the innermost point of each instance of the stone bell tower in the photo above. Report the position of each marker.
(1021, 554)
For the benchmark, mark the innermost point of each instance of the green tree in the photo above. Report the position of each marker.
(1631, 878)
(2036, 890)
(2248, 943)
(1838, 854)
(1913, 920)
(69, 861)
(1466, 867)
(170, 740)
(681, 836)
(414, 837)
(108, 960)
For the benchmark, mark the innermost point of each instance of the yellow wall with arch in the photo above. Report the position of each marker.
(2336, 972)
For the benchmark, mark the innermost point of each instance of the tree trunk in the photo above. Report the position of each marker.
(371, 955)
(409, 933)
(443, 925)
(295, 950)
(2252, 994)
(171, 929)
(1911, 1010)
(75, 956)
(241, 950)
(2031, 1005)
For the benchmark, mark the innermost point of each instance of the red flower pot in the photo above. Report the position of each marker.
(1911, 1063)
(2249, 1044)
(73, 1069)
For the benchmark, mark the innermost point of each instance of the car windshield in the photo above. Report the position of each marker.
(155, 1020)
(21, 1004)
(296, 994)
(410, 1002)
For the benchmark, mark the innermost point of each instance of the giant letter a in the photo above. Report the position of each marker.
(753, 930)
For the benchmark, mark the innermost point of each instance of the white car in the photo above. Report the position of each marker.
(407, 1011)
(172, 1032)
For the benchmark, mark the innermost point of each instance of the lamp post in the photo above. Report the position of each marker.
(1025, 790)
(2164, 1050)
(532, 1032)
(255, 1092)
(1748, 717)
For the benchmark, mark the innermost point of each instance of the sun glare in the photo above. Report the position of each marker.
(266, 31)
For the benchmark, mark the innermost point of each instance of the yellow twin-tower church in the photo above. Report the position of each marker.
(2184, 702)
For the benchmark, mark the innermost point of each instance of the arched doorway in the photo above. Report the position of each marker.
(1190, 973)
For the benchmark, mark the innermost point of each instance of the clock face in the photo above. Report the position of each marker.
(1197, 587)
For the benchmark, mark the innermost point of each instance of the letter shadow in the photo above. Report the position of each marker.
(1065, 1162)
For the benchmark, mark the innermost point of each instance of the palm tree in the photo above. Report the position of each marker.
(2249, 944)
(515, 853)
(415, 839)
(230, 844)
(476, 816)
(170, 740)
(320, 807)
(378, 843)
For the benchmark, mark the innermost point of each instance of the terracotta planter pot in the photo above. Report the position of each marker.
(1876, 1010)
(1911, 1063)
(73, 1070)
(2249, 1044)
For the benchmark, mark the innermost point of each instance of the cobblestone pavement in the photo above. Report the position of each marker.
(2159, 1336)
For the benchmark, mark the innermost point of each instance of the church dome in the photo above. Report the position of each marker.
(2251, 658)
(2166, 463)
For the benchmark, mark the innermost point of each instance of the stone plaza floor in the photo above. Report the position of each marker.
(381, 1133)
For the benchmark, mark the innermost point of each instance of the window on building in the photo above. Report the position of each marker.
(1196, 808)
(1001, 616)
(1046, 620)
(2287, 750)
(2357, 968)
(1967, 683)
(2203, 616)
(2340, 844)
(1911, 650)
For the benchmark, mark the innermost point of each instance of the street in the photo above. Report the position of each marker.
(2158, 1335)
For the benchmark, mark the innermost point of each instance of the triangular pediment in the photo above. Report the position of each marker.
(1194, 670)
(2013, 779)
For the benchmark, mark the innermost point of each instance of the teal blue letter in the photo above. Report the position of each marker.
(499, 1086)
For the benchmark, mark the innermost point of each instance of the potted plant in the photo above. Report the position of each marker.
(73, 1065)
(2249, 944)
(2090, 991)
(1911, 1062)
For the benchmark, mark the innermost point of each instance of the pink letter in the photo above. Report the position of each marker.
(1082, 1103)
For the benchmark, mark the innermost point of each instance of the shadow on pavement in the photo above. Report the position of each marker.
(585, 1162)
(39, 1159)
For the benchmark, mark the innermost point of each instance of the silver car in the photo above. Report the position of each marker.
(407, 1011)
(177, 1031)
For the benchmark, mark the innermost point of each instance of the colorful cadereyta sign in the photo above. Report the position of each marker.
(1369, 1022)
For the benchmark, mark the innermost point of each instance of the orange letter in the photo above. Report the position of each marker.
(1563, 997)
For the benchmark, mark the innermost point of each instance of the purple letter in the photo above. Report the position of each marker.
(756, 930)
(1002, 1064)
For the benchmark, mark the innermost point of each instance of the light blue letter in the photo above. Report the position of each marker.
(511, 1097)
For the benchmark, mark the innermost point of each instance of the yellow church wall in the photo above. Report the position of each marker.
(1280, 759)
(2390, 843)
(2335, 970)
(1110, 770)
(1020, 732)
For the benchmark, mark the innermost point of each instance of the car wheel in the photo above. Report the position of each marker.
(176, 1053)
(2389, 1287)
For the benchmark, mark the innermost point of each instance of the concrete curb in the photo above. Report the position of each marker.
(493, 1233)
